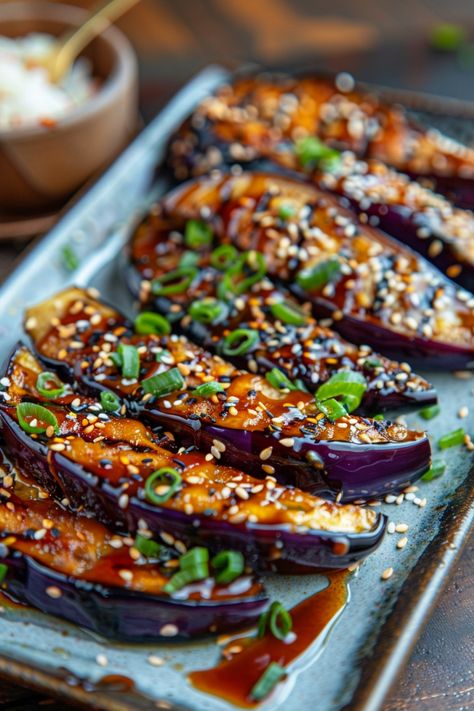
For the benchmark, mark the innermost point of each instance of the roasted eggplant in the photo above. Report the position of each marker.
(376, 290)
(272, 117)
(74, 567)
(289, 338)
(235, 416)
(110, 467)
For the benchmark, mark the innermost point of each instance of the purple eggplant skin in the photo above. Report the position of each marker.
(265, 546)
(119, 614)
(458, 190)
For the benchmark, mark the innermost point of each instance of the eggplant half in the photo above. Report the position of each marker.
(289, 338)
(111, 468)
(278, 118)
(376, 290)
(76, 568)
(237, 417)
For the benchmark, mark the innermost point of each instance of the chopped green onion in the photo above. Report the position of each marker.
(230, 565)
(161, 355)
(148, 323)
(312, 152)
(452, 439)
(318, 276)
(130, 361)
(428, 413)
(197, 234)
(194, 565)
(240, 341)
(28, 412)
(277, 619)
(332, 409)
(109, 401)
(279, 380)
(147, 547)
(267, 682)
(48, 385)
(167, 477)
(208, 389)
(448, 37)
(163, 383)
(378, 417)
(235, 282)
(223, 257)
(189, 259)
(437, 469)
(69, 258)
(175, 282)
(372, 363)
(349, 386)
(287, 312)
(285, 211)
(207, 310)
(3, 572)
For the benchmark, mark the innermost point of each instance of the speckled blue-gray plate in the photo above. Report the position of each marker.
(367, 645)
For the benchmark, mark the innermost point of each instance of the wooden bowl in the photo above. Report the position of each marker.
(40, 167)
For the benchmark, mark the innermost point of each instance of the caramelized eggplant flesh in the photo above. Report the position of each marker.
(76, 568)
(257, 427)
(101, 464)
(268, 117)
(377, 291)
(305, 351)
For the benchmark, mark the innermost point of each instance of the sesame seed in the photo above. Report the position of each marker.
(266, 453)
(169, 630)
(268, 469)
(391, 527)
(463, 412)
(53, 592)
(123, 501)
(101, 660)
(57, 447)
(126, 575)
(402, 542)
(401, 527)
(241, 493)
(387, 573)
(287, 442)
(155, 661)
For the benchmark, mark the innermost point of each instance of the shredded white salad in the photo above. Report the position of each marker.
(27, 96)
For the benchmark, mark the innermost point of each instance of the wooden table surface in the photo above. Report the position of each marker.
(378, 40)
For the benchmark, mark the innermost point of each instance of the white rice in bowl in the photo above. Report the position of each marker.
(27, 96)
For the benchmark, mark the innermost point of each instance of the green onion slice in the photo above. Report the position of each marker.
(223, 257)
(194, 565)
(165, 476)
(3, 572)
(208, 310)
(285, 211)
(372, 363)
(208, 389)
(287, 312)
(130, 361)
(318, 276)
(48, 385)
(267, 682)
(278, 380)
(240, 341)
(109, 401)
(348, 386)
(452, 439)
(163, 383)
(175, 282)
(148, 323)
(229, 564)
(332, 409)
(248, 270)
(428, 413)
(147, 547)
(29, 412)
(277, 619)
(437, 469)
(69, 258)
(312, 152)
(197, 234)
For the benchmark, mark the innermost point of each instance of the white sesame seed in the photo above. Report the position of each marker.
(53, 592)
(402, 542)
(101, 660)
(401, 527)
(169, 630)
(391, 527)
(266, 453)
(287, 442)
(387, 573)
(155, 661)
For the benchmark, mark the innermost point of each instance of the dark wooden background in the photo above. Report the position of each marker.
(379, 40)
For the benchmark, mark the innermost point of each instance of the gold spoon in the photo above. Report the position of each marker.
(60, 58)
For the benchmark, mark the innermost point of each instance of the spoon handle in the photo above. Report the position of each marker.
(73, 42)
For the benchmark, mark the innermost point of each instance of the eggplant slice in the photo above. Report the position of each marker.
(266, 117)
(376, 290)
(306, 352)
(248, 424)
(256, 129)
(102, 464)
(75, 568)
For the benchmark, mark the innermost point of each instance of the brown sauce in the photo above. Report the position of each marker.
(233, 679)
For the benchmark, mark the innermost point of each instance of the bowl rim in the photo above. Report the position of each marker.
(123, 73)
